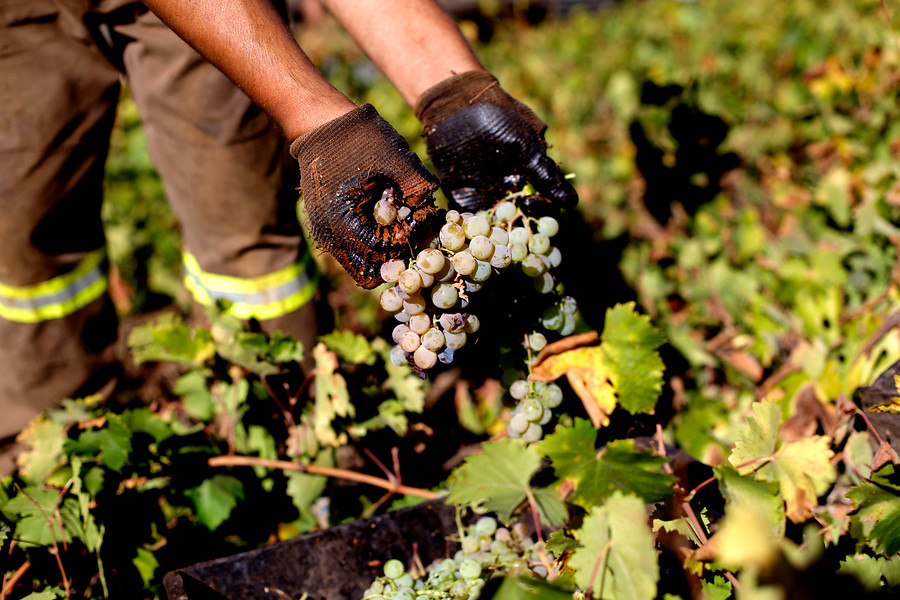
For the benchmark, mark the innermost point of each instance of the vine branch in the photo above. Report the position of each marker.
(286, 465)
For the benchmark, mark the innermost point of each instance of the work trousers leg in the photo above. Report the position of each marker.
(57, 105)
(229, 178)
(225, 169)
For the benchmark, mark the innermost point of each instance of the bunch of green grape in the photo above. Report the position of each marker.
(534, 409)
(486, 550)
(431, 295)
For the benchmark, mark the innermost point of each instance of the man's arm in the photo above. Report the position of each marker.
(414, 42)
(248, 41)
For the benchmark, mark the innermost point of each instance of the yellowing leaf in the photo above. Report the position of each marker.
(804, 471)
(332, 398)
(802, 468)
(625, 369)
(892, 405)
(745, 538)
(757, 443)
(45, 439)
(589, 375)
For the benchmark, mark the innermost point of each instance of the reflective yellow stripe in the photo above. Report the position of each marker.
(264, 297)
(57, 297)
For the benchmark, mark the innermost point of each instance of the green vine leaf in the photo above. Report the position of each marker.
(597, 475)
(169, 339)
(877, 510)
(259, 353)
(41, 517)
(146, 564)
(873, 572)
(617, 560)
(756, 495)
(109, 444)
(802, 468)
(514, 588)
(351, 347)
(498, 480)
(215, 498)
(756, 444)
(559, 543)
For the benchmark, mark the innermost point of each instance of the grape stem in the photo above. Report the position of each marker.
(532, 503)
(286, 465)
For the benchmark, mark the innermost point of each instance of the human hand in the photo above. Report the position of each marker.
(347, 166)
(484, 144)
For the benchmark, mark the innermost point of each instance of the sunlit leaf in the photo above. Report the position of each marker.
(625, 369)
(498, 480)
(146, 564)
(802, 468)
(351, 347)
(617, 559)
(45, 441)
(755, 495)
(169, 339)
(332, 398)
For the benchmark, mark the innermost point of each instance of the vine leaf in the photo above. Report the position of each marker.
(598, 474)
(870, 570)
(625, 369)
(498, 480)
(110, 444)
(170, 339)
(332, 397)
(877, 509)
(559, 543)
(351, 347)
(802, 468)
(514, 588)
(41, 517)
(45, 438)
(744, 539)
(617, 559)
(215, 498)
(760, 496)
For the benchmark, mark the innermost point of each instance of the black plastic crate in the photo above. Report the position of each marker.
(333, 564)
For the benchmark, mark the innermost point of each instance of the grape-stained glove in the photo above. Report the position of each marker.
(484, 143)
(346, 166)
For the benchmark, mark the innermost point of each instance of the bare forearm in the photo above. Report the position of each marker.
(414, 42)
(247, 40)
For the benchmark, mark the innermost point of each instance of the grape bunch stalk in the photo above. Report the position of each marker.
(432, 296)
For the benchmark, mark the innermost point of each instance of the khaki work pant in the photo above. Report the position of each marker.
(224, 166)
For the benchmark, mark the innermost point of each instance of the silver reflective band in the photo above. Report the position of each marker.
(264, 297)
(57, 297)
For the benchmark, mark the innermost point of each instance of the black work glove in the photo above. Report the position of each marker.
(484, 143)
(345, 167)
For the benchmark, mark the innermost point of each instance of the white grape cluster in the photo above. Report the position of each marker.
(430, 296)
(486, 550)
(534, 409)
